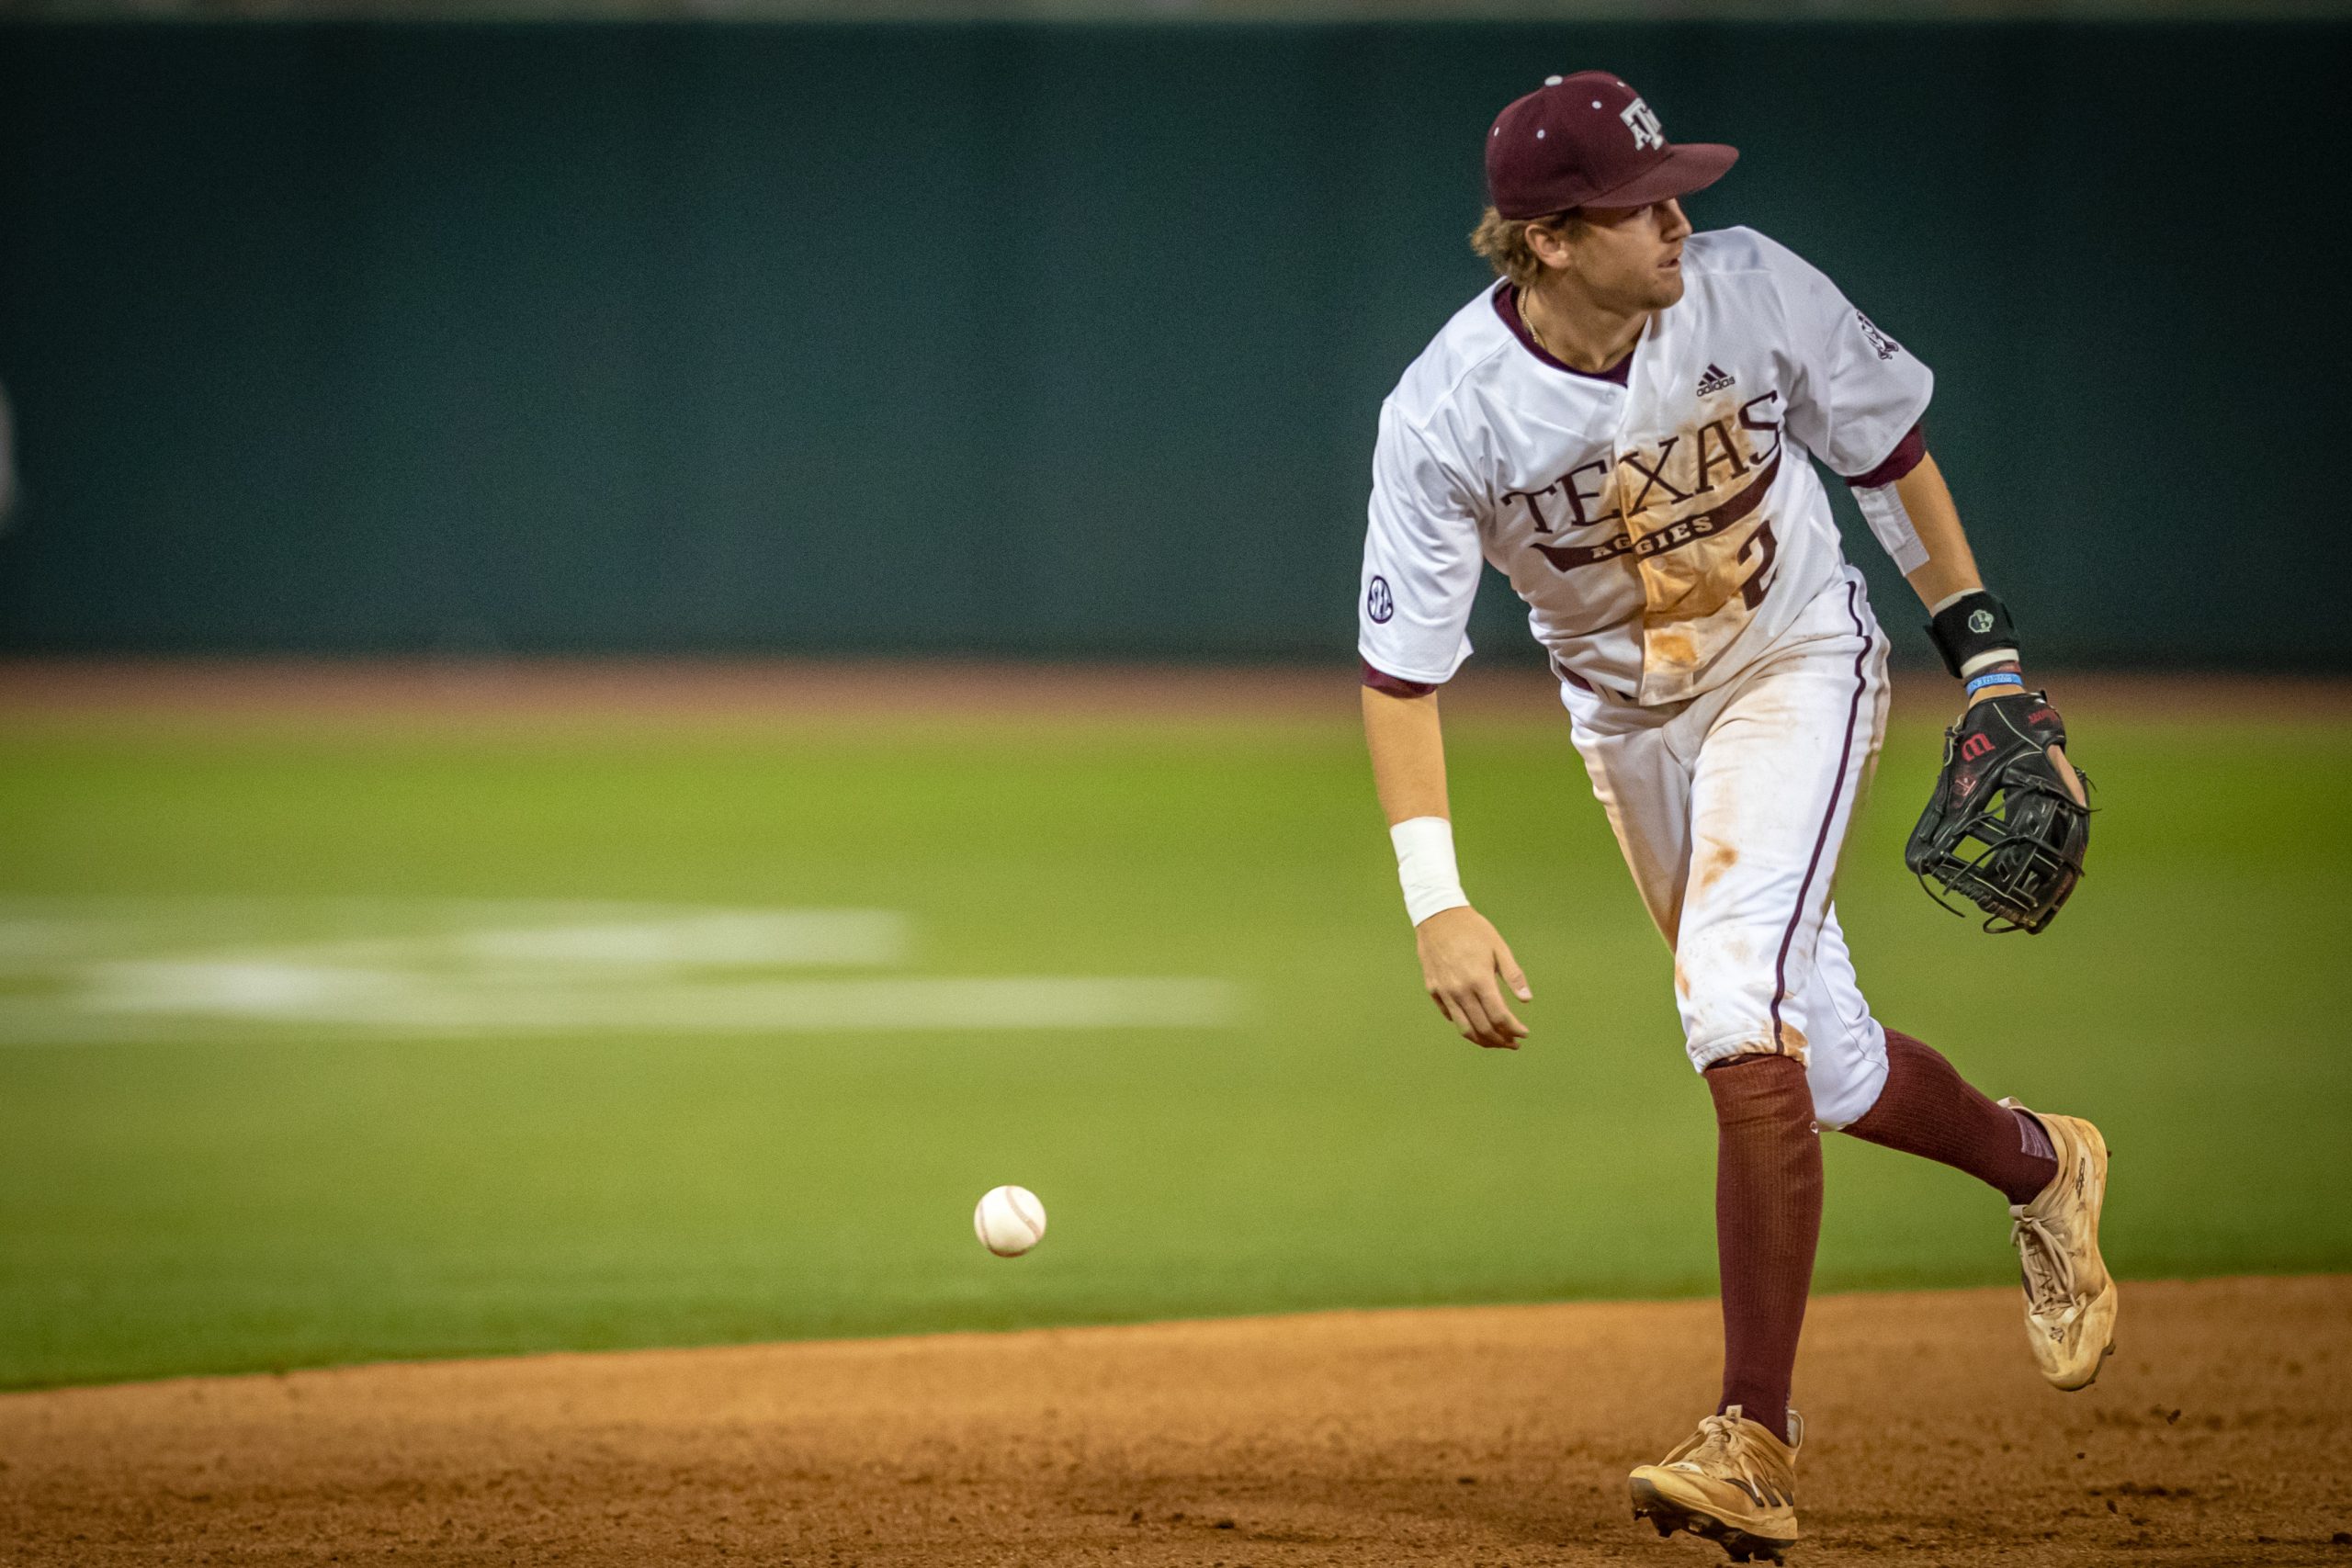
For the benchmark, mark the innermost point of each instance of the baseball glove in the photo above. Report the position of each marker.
(2002, 829)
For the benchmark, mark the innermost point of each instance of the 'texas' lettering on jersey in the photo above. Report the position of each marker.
(1679, 469)
(1673, 535)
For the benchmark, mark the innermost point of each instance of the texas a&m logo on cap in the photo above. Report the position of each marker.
(1641, 120)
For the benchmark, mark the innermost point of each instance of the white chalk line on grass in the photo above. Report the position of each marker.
(412, 1005)
(125, 972)
(426, 930)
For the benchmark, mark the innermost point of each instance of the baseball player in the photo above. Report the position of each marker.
(1626, 425)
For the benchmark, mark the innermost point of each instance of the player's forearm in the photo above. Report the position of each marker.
(1408, 770)
(1951, 565)
(1408, 750)
(1948, 578)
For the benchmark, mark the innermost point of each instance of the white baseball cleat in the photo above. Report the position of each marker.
(2070, 1298)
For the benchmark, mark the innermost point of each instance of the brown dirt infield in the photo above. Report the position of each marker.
(1497, 1435)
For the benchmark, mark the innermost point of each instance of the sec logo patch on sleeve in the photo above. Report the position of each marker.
(1378, 603)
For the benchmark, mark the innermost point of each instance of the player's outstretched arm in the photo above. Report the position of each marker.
(1465, 960)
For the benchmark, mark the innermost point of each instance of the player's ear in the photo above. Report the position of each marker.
(1552, 240)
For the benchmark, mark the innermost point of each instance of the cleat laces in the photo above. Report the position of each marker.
(1719, 1450)
(2047, 1263)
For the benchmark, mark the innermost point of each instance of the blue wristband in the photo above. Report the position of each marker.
(1994, 678)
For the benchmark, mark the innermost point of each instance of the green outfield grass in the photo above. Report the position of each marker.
(227, 1197)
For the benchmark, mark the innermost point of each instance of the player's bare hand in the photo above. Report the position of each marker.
(2067, 771)
(1466, 964)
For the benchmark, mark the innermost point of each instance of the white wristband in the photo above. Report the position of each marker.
(1986, 659)
(1425, 867)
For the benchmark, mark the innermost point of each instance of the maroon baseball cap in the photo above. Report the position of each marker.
(1589, 141)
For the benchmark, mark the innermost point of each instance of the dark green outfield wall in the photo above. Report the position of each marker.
(1070, 340)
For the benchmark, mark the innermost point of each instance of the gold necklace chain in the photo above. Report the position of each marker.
(1527, 299)
(1527, 318)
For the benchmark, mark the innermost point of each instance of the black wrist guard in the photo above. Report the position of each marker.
(1972, 624)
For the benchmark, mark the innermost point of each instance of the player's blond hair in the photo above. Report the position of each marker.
(1503, 241)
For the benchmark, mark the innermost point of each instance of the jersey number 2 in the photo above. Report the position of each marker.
(1763, 547)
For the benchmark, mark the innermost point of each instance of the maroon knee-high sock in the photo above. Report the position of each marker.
(1927, 1108)
(1767, 1222)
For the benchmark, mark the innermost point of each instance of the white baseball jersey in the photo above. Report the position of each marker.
(1665, 525)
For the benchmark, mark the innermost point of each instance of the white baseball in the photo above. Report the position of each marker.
(1010, 1221)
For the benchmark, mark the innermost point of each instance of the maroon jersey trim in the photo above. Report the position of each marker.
(1506, 300)
(1908, 455)
(1394, 686)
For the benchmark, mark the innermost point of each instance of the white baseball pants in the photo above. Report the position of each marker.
(1732, 810)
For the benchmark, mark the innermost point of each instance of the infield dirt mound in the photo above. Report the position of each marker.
(2218, 1434)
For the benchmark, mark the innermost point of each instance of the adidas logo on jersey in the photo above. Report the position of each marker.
(1715, 380)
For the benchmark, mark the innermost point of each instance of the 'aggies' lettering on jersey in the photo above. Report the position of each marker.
(1674, 535)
